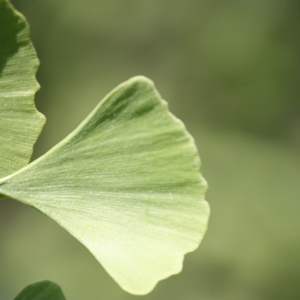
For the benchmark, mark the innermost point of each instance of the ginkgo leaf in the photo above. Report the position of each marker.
(41, 290)
(20, 122)
(126, 184)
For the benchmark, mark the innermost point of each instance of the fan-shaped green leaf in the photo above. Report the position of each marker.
(41, 290)
(126, 184)
(20, 122)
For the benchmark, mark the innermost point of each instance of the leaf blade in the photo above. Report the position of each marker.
(20, 122)
(126, 184)
(41, 290)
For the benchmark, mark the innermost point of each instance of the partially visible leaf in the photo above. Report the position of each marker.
(126, 184)
(41, 290)
(20, 122)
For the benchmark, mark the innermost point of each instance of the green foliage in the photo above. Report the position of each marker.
(125, 183)
(42, 290)
(20, 122)
(233, 65)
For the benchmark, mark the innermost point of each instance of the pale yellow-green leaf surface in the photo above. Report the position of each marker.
(126, 184)
(20, 122)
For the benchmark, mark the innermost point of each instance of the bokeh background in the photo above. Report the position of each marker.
(230, 70)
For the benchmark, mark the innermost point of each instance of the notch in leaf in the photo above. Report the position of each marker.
(126, 184)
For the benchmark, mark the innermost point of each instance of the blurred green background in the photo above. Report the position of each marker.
(230, 70)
